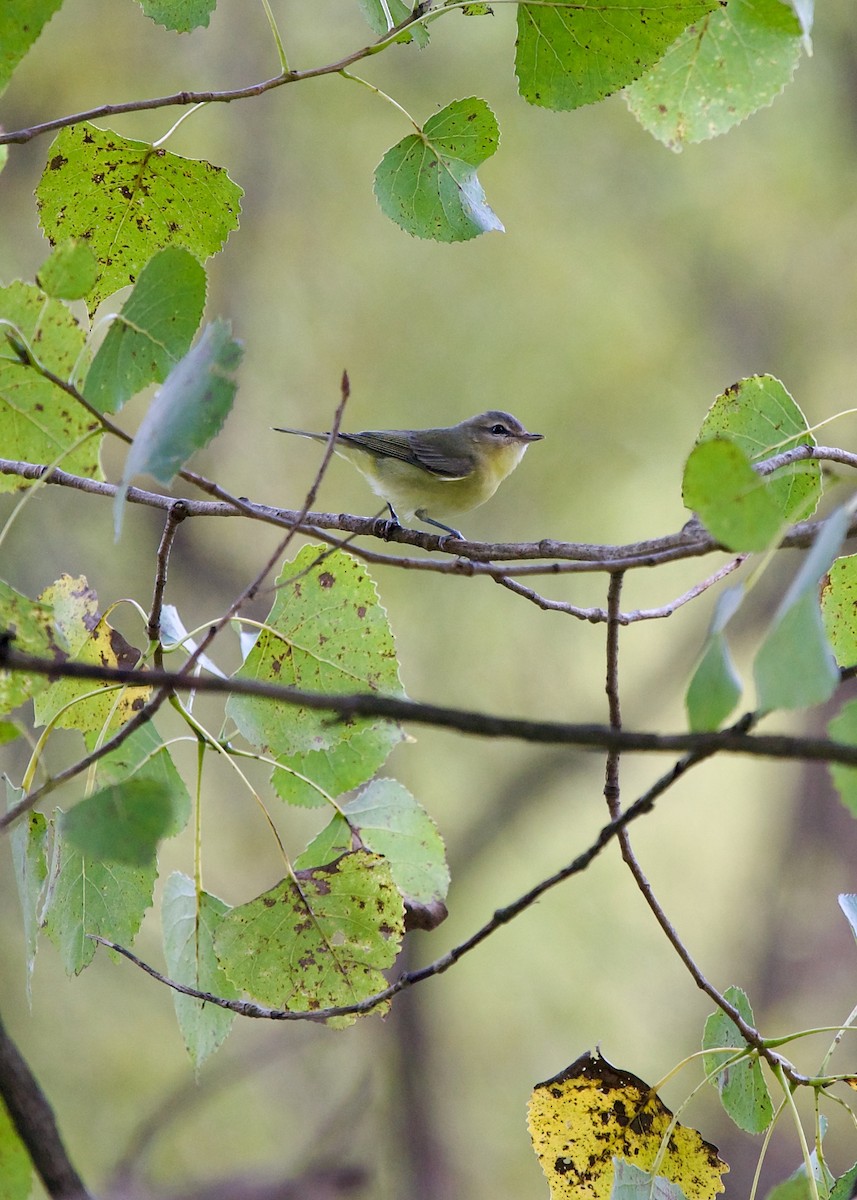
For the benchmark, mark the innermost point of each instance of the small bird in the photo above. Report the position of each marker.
(444, 472)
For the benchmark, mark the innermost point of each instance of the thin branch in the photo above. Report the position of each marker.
(611, 773)
(175, 515)
(141, 718)
(250, 591)
(501, 916)
(480, 724)
(36, 1125)
(612, 794)
(185, 98)
(472, 558)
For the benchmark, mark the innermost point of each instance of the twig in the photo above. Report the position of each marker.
(175, 515)
(613, 797)
(611, 772)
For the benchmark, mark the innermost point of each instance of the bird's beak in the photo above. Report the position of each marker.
(531, 437)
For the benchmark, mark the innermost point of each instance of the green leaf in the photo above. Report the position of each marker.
(839, 609)
(21, 23)
(27, 841)
(69, 272)
(382, 15)
(570, 54)
(39, 422)
(716, 687)
(91, 897)
(32, 627)
(8, 732)
(843, 728)
(796, 1187)
(804, 10)
(143, 755)
(81, 703)
(180, 15)
(427, 182)
(128, 199)
(16, 1172)
(153, 331)
(309, 779)
(844, 1189)
(326, 633)
(794, 666)
(190, 925)
(318, 940)
(122, 823)
(388, 821)
(743, 1091)
(762, 418)
(719, 71)
(733, 502)
(630, 1183)
(188, 411)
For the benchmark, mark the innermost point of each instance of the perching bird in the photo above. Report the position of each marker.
(444, 472)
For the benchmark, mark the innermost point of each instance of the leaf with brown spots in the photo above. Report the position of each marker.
(572, 53)
(326, 633)
(592, 1113)
(39, 422)
(128, 200)
(318, 939)
(91, 640)
(388, 820)
(33, 631)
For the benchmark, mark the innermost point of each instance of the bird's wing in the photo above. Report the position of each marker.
(409, 448)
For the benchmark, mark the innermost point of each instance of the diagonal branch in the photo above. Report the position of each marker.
(185, 98)
(36, 1125)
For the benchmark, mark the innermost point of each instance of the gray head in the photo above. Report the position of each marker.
(500, 428)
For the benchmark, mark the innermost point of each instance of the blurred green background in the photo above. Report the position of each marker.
(631, 287)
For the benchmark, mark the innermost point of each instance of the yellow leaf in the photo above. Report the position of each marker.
(80, 703)
(592, 1112)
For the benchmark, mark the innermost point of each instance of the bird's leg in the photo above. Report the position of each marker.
(383, 527)
(423, 516)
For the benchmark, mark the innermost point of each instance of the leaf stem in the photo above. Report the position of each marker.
(278, 41)
(372, 88)
(183, 117)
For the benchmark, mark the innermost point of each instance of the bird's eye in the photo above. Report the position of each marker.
(499, 430)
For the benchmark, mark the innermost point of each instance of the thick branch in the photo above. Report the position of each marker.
(472, 558)
(34, 1120)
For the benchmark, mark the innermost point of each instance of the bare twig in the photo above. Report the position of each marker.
(612, 794)
(611, 772)
(175, 515)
